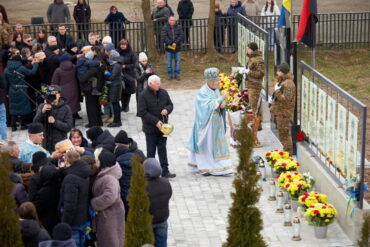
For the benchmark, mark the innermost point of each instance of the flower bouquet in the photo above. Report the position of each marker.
(309, 179)
(282, 165)
(310, 198)
(272, 156)
(296, 188)
(321, 214)
(287, 176)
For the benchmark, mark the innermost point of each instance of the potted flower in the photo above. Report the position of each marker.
(272, 156)
(282, 165)
(295, 189)
(320, 215)
(309, 179)
(310, 198)
(288, 176)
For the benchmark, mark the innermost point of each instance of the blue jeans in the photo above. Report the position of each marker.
(3, 122)
(160, 234)
(108, 109)
(170, 56)
(78, 235)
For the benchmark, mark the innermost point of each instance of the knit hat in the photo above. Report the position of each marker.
(109, 47)
(35, 128)
(152, 168)
(62, 232)
(106, 40)
(114, 54)
(38, 159)
(284, 67)
(253, 46)
(107, 159)
(90, 55)
(211, 74)
(94, 132)
(142, 57)
(64, 57)
(122, 138)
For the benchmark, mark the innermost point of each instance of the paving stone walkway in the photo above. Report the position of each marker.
(199, 205)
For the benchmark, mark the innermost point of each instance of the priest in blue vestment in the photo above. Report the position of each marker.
(209, 151)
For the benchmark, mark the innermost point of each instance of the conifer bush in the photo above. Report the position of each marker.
(139, 221)
(10, 234)
(245, 222)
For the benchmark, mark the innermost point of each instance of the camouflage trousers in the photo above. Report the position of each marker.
(283, 126)
(253, 95)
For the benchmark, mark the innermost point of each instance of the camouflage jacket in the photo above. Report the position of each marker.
(284, 98)
(257, 70)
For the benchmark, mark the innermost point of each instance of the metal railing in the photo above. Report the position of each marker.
(335, 29)
(339, 120)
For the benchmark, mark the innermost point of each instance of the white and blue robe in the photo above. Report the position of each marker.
(209, 151)
(28, 149)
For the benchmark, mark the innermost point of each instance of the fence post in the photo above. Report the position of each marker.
(363, 151)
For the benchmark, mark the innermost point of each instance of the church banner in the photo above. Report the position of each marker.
(321, 120)
(304, 104)
(330, 129)
(352, 145)
(340, 140)
(312, 126)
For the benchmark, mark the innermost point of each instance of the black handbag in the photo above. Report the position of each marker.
(129, 83)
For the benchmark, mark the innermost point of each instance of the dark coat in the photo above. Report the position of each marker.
(150, 107)
(84, 64)
(133, 148)
(237, 9)
(109, 223)
(82, 13)
(129, 59)
(172, 35)
(115, 89)
(112, 19)
(32, 233)
(44, 193)
(65, 77)
(159, 193)
(64, 43)
(56, 243)
(19, 193)
(51, 64)
(142, 76)
(17, 89)
(74, 194)
(18, 165)
(185, 9)
(63, 123)
(124, 156)
(103, 139)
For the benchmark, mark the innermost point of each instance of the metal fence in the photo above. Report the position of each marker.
(335, 122)
(335, 29)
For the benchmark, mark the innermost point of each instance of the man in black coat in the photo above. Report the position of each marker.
(100, 138)
(74, 195)
(154, 106)
(172, 37)
(56, 116)
(159, 193)
(185, 9)
(122, 139)
(51, 61)
(18, 165)
(64, 40)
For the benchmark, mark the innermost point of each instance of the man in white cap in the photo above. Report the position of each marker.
(209, 151)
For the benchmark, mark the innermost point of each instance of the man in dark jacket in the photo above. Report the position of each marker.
(74, 195)
(154, 107)
(172, 37)
(82, 16)
(18, 165)
(159, 193)
(100, 138)
(51, 61)
(64, 40)
(58, 12)
(122, 139)
(185, 9)
(160, 16)
(56, 116)
(123, 157)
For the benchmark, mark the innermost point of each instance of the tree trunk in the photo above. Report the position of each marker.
(149, 30)
(211, 29)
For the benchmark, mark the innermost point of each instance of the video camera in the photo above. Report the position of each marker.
(49, 96)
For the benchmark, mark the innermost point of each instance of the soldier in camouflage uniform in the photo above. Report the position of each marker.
(256, 67)
(282, 105)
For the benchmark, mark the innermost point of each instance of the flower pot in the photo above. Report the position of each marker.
(320, 231)
(286, 196)
(295, 205)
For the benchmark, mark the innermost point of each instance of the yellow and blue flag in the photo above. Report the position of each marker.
(286, 9)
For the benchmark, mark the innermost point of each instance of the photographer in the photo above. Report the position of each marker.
(56, 116)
